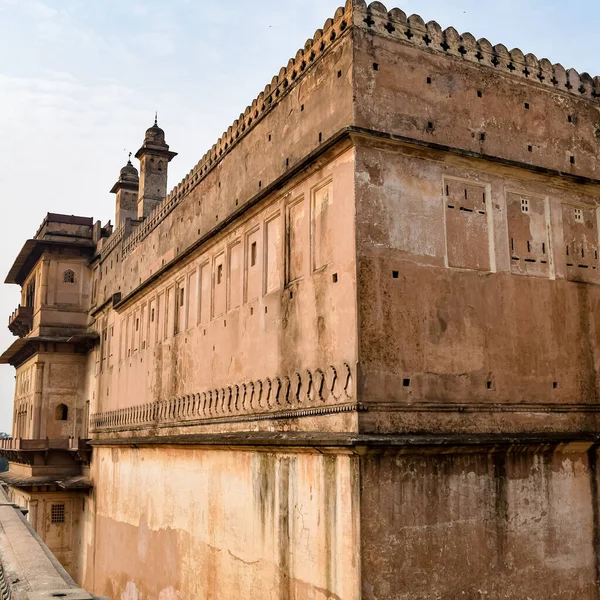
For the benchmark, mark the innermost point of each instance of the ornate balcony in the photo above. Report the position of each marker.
(21, 321)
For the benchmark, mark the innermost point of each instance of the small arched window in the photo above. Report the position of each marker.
(62, 412)
(160, 165)
(69, 276)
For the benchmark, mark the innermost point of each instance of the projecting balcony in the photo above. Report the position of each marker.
(25, 451)
(21, 321)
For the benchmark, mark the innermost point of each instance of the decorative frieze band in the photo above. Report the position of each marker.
(302, 394)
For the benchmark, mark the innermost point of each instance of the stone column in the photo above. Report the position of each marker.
(33, 513)
(38, 431)
(44, 283)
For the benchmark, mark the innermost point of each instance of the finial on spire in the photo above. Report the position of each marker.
(156, 118)
(129, 161)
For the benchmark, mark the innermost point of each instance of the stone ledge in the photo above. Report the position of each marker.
(352, 440)
(28, 570)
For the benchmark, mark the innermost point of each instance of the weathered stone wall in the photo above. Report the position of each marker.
(435, 87)
(63, 292)
(400, 235)
(501, 523)
(298, 114)
(63, 538)
(272, 296)
(51, 378)
(237, 523)
(456, 313)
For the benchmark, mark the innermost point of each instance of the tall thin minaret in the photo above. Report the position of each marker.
(154, 158)
(126, 189)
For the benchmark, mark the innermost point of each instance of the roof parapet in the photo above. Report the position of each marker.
(430, 36)
(280, 84)
(374, 17)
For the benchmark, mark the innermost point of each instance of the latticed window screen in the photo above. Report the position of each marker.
(68, 276)
(57, 513)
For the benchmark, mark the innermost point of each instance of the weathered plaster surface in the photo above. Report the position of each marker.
(269, 524)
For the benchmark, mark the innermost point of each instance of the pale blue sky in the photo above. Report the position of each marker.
(80, 81)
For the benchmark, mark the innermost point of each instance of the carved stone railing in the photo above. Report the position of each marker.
(303, 394)
(69, 443)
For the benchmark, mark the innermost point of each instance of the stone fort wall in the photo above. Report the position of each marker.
(410, 411)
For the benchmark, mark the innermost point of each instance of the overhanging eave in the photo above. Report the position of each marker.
(31, 252)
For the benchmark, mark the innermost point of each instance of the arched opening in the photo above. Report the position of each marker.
(62, 412)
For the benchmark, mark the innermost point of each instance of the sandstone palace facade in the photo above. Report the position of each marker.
(354, 354)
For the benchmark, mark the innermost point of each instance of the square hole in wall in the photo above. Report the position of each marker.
(489, 385)
(526, 105)
(555, 385)
(334, 278)
(406, 382)
(479, 94)
(429, 80)
(375, 66)
(395, 274)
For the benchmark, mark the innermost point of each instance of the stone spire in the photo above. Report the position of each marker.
(154, 158)
(126, 189)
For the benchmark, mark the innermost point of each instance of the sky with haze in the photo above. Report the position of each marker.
(80, 82)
